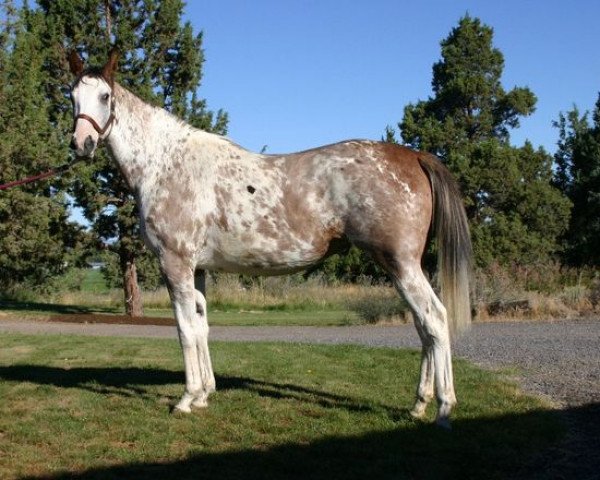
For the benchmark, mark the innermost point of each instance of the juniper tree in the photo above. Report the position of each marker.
(516, 214)
(161, 61)
(578, 176)
(35, 234)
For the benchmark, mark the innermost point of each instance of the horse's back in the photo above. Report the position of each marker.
(378, 191)
(281, 213)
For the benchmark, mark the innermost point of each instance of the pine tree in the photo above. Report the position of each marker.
(35, 234)
(161, 61)
(578, 176)
(469, 103)
(467, 125)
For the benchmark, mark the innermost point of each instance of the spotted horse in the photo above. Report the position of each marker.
(206, 203)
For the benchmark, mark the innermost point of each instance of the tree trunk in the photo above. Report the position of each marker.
(131, 289)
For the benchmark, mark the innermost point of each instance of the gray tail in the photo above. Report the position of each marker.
(451, 230)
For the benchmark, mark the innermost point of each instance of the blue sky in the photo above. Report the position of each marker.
(298, 74)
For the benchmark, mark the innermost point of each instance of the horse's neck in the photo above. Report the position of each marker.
(144, 138)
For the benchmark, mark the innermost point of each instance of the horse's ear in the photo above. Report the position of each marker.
(75, 63)
(109, 69)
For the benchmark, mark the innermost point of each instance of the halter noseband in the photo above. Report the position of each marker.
(101, 131)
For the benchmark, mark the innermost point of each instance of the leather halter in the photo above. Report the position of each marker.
(101, 131)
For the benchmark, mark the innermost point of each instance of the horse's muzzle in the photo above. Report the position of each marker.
(85, 150)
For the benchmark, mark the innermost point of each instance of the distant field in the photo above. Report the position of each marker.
(94, 282)
(81, 408)
(293, 301)
(272, 301)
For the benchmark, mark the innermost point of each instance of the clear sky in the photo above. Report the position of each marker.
(294, 74)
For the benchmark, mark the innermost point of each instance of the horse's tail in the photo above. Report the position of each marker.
(451, 230)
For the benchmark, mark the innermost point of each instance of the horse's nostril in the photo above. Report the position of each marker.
(88, 145)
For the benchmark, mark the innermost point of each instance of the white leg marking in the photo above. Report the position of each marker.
(190, 312)
(425, 390)
(185, 313)
(204, 361)
(436, 362)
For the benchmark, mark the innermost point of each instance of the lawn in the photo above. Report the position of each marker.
(83, 408)
(321, 318)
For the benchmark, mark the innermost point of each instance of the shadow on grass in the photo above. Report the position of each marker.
(131, 382)
(516, 446)
(484, 448)
(51, 308)
(126, 382)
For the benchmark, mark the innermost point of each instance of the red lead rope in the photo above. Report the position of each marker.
(35, 178)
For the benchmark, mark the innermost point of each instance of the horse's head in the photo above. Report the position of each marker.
(93, 103)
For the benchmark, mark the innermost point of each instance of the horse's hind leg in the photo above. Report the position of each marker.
(432, 326)
(190, 313)
(425, 390)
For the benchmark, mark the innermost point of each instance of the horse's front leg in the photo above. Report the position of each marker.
(206, 370)
(192, 327)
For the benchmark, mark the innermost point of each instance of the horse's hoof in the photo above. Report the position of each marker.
(200, 403)
(181, 410)
(444, 423)
(417, 414)
(418, 411)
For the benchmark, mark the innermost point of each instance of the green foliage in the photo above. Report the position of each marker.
(35, 236)
(376, 309)
(578, 176)
(518, 215)
(469, 102)
(161, 61)
(353, 266)
(515, 213)
(389, 135)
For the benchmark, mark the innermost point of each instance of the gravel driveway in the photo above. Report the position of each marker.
(558, 360)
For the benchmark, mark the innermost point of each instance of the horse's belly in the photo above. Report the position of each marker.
(255, 254)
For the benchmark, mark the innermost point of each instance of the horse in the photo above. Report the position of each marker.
(207, 204)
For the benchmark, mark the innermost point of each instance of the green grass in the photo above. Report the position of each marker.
(76, 407)
(93, 281)
(216, 318)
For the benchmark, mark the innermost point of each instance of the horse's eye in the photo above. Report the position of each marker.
(105, 97)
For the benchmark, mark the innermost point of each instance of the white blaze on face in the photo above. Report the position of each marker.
(92, 97)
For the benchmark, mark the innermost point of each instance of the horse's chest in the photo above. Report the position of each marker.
(173, 222)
